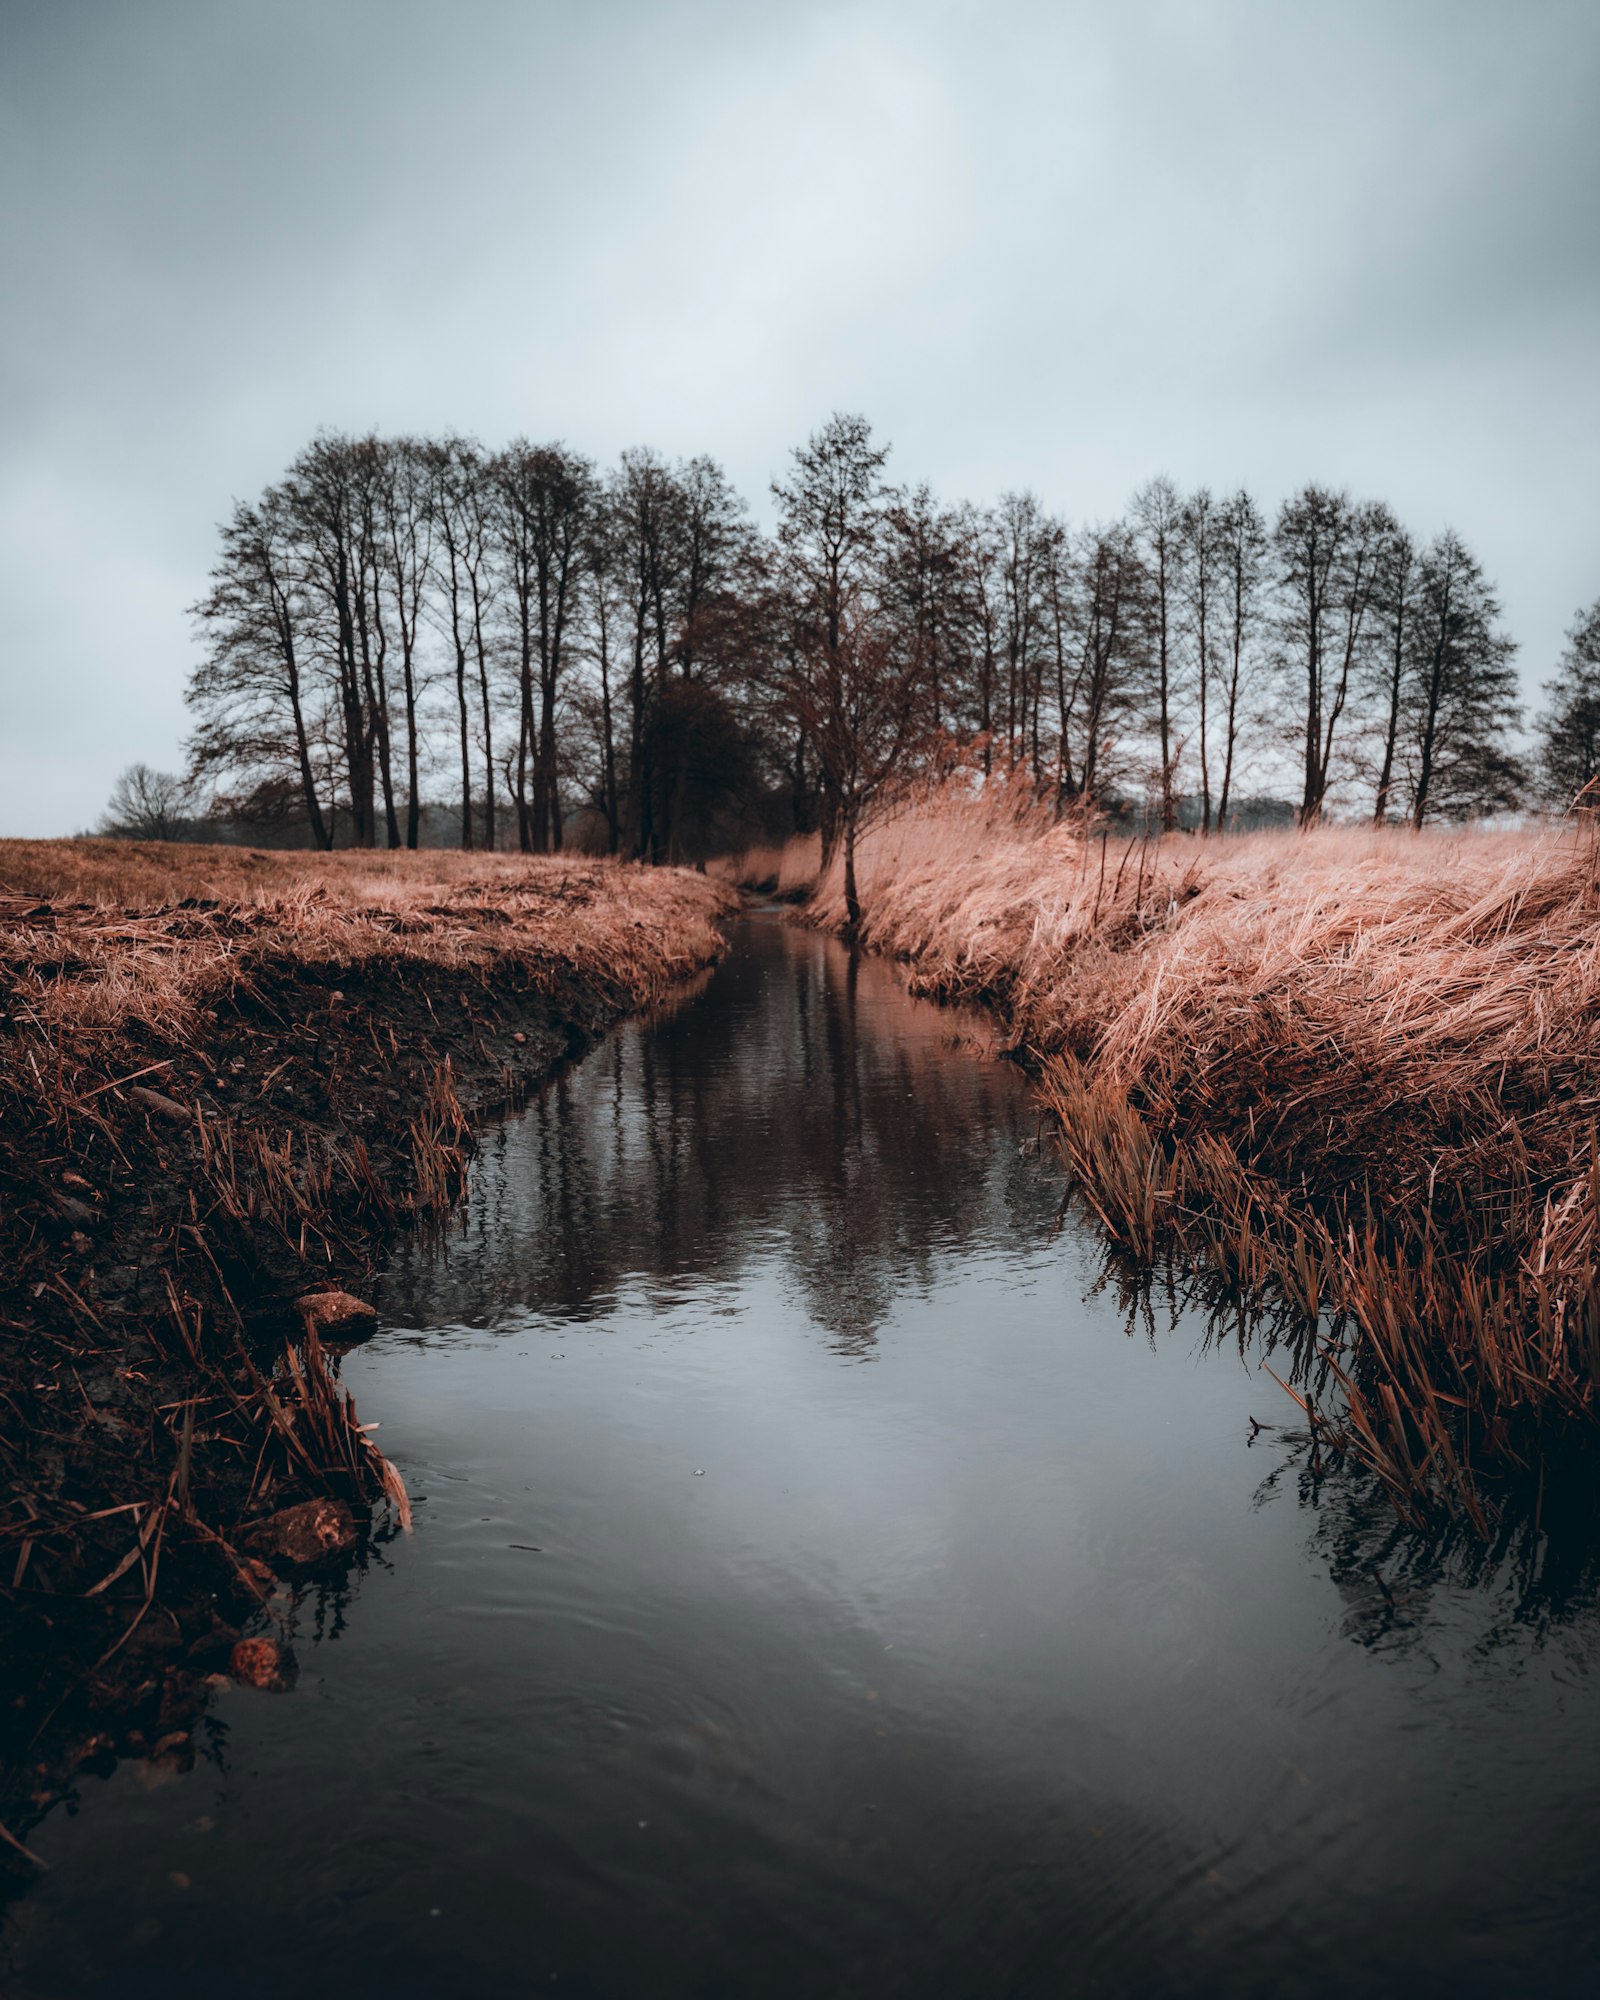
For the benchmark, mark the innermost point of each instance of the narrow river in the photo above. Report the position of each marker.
(828, 1582)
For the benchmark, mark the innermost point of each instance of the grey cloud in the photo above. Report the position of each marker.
(1063, 246)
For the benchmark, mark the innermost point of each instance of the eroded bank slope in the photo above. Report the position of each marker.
(225, 1077)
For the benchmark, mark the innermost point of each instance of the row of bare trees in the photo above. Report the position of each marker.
(391, 597)
(557, 649)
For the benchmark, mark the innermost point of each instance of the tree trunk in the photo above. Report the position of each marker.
(413, 801)
(1205, 689)
(1380, 810)
(488, 729)
(466, 747)
(1169, 804)
(525, 737)
(852, 895)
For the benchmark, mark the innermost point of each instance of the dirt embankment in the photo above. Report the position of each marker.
(225, 1079)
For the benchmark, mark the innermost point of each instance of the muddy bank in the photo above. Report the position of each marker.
(217, 1108)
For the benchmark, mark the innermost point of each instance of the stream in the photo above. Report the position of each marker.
(830, 1579)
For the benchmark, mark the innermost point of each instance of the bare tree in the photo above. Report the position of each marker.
(369, 475)
(327, 494)
(545, 495)
(1108, 612)
(645, 511)
(1242, 558)
(1461, 695)
(1394, 606)
(1158, 521)
(831, 512)
(1201, 557)
(1569, 730)
(713, 537)
(924, 584)
(149, 805)
(406, 522)
(1024, 538)
(1328, 553)
(982, 552)
(457, 499)
(256, 711)
(1066, 657)
(862, 702)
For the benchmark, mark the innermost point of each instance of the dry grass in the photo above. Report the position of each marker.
(789, 871)
(1353, 1070)
(103, 934)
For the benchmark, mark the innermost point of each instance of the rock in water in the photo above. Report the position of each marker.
(334, 1312)
(304, 1534)
(261, 1663)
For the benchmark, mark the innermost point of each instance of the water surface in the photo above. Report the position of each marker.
(824, 1584)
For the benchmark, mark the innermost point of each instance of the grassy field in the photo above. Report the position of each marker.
(1351, 1073)
(225, 1077)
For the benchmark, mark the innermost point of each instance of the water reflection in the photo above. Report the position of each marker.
(1537, 1572)
(778, 1112)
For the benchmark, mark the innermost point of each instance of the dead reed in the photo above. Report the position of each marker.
(1352, 1071)
(788, 871)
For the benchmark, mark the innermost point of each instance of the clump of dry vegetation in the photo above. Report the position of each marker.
(1352, 1072)
(224, 1077)
(788, 870)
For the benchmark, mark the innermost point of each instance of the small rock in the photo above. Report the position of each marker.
(520, 1039)
(304, 1534)
(261, 1663)
(163, 1107)
(333, 1310)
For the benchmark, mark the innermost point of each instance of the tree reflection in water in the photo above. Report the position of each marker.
(772, 1112)
(767, 1117)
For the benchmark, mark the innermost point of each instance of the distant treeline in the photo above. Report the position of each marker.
(624, 658)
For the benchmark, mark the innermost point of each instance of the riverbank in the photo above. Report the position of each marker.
(226, 1077)
(1347, 1076)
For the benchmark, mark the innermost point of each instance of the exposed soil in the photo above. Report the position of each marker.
(174, 1178)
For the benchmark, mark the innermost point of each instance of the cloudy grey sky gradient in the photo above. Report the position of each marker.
(1064, 246)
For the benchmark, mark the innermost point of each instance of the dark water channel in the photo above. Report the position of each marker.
(825, 1585)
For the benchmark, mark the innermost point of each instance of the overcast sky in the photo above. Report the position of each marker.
(1057, 245)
